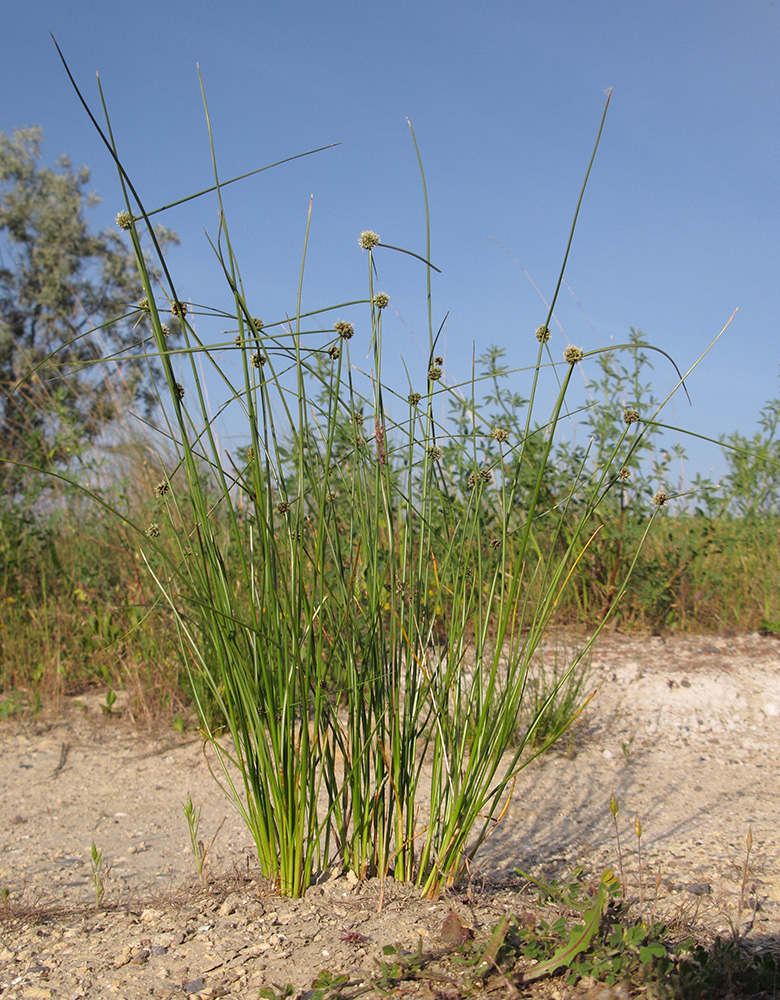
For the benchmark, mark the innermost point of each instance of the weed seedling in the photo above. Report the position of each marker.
(638, 831)
(736, 929)
(614, 808)
(100, 873)
(192, 815)
(108, 708)
(200, 850)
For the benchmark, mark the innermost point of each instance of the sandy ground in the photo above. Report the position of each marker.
(685, 733)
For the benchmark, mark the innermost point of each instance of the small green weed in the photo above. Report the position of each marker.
(100, 873)
(200, 849)
(399, 967)
(278, 993)
(108, 708)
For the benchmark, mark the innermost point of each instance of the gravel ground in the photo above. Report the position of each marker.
(685, 733)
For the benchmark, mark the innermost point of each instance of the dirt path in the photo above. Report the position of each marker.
(685, 733)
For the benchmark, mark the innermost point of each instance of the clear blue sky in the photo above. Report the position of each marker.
(680, 224)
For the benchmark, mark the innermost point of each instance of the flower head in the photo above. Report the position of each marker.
(381, 300)
(368, 239)
(434, 373)
(124, 220)
(153, 531)
(572, 355)
(180, 390)
(624, 475)
(630, 415)
(258, 360)
(500, 434)
(660, 498)
(345, 330)
(161, 488)
(435, 452)
(543, 334)
(179, 309)
(414, 398)
(334, 352)
(480, 476)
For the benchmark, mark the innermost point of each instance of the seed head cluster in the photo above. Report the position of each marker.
(381, 300)
(345, 330)
(572, 355)
(369, 239)
(630, 415)
(480, 476)
(543, 334)
(124, 220)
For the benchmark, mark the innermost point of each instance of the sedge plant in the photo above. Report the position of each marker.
(360, 624)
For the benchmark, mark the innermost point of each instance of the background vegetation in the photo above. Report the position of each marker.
(77, 607)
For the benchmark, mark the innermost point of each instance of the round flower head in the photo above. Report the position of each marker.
(660, 498)
(414, 398)
(143, 305)
(334, 352)
(124, 220)
(630, 415)
(368, 239)
(434, 373)
(435, 452)
(624, 475)
(345, 330)
(543, 334)
(179, 308)
(381, 300)
(572, 355)
(161, 488)
(500, 434)
(153, 531)
(258, 360)
(283, 506)
(180, 390)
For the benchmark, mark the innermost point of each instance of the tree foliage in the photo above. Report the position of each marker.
(68, 298)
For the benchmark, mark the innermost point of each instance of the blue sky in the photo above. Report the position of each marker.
(678, 228)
